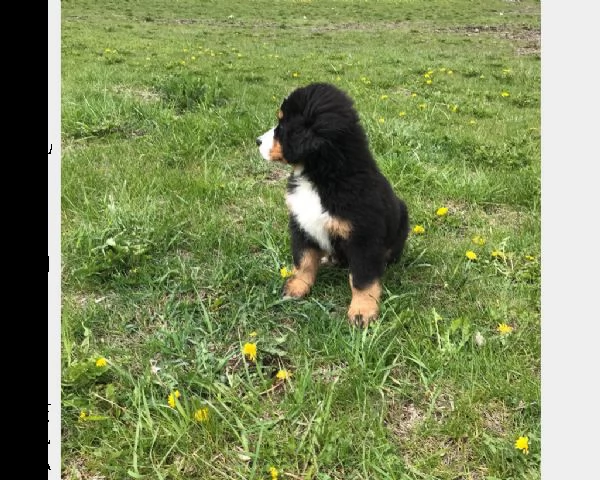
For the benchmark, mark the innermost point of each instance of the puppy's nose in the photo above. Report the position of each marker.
(258, 142)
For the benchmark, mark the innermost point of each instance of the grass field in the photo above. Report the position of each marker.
(174, 231)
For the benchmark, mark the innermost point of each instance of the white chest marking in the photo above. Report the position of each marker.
(304, 203)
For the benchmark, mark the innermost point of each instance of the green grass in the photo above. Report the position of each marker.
(174, 231)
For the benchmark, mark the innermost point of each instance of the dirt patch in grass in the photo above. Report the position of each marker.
(500, 215)
(324, 28)
(494, 215)
(76, 470)
(139, 93)
(236, 215)
(445, 458)
(363, 27)
(458, 208)
(84, 299)
(529, 49)
(510, 32)
(528, 38)
(276, 175)
(495, 418)
(330, 373)
(402, 418)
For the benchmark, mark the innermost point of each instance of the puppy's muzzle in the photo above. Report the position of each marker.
(265, 144)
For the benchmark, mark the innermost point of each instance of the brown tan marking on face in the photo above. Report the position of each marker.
(338, 227)
(364, 306)
(276, 153)
(280, 115)
(304, 275)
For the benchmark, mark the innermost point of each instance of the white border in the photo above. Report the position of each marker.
(54, 287)
(570, 202)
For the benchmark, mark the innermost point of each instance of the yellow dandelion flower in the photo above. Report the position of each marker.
(381, 120)
(283, 374)
(101, 362)
(522, 444)
(504, 328)
(529, 258)
(428, 81)
(422, 106)
(498, 254)
(384, 97)
(201, 415)
(413, 94)
(472, 122)
(478, 240)
(453, 108)
(418, 229)
(193, 58)
(450, 72)
(506, 71)
(83, 416)
(249, 350)
(440, 212)
(401, 114)
(471, 255)
(295, 74)
(274, 473)
(284, 272)
(505, 94)
(173, 396)
(427, 75)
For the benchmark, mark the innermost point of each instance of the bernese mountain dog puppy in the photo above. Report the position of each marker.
(341, 207)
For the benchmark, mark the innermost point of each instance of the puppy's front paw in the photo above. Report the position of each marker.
(361, 313)
(295, 288)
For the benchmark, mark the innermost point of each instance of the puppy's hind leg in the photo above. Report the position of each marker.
(366, 270)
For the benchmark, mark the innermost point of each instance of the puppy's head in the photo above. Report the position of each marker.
(314, 123)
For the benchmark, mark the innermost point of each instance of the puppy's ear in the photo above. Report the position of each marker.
(302, 145)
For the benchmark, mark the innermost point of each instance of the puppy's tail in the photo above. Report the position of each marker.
(401, 234)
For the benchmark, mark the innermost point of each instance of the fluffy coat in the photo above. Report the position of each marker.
(340, 204)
